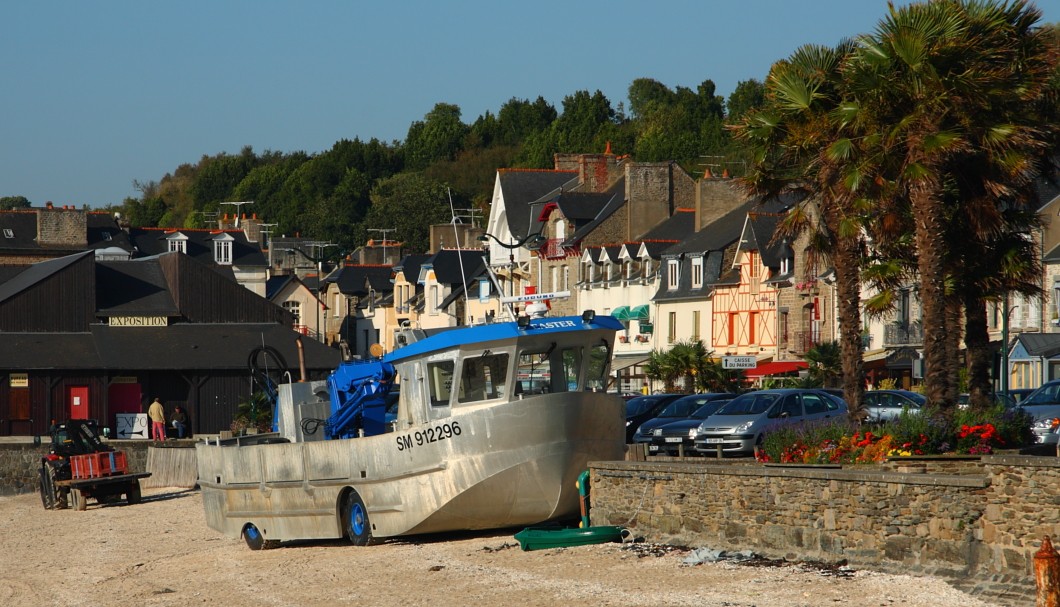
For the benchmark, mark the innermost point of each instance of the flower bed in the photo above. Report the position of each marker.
(913, 433)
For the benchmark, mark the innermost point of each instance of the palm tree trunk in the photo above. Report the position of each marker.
(953, 347)
(928, 211)
(846, 259)
(980, 355)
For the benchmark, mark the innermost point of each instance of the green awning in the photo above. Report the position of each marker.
(621, 313)
(639, 312)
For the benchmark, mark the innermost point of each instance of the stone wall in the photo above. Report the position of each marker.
(20, 462)
(62, 227)
(978, 524)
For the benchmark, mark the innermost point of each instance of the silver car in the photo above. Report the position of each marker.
(738, 426)
(1044, 406)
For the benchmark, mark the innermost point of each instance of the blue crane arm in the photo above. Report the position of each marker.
(358, 393)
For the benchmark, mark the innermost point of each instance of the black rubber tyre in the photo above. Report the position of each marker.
(355, 520)
(132, 496)
(78, 501)
(255, 540)
(47, 487)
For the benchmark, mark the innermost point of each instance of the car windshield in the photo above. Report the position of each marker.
(709, 409)
(683, 407)
(641, 404)
(749, 404)
(1049, 394)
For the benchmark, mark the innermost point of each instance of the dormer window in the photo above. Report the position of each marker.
(672, 269)
(785, 266)
(177, 243)
(107, 236)
(222, 249)
(697, 273)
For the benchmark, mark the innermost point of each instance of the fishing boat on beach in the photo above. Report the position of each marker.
(494, 423)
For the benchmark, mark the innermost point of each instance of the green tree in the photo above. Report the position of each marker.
(941, 81)
(801, 148)
(439, 136)
(825, 364)
(409, 203)
(9, 203)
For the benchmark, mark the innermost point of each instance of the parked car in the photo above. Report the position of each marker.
(1001, 397)
(738, 426)
(887, 405)
(680, 436)
(643, 408)
(1044, 406)
(1019, 394)
(676, 410)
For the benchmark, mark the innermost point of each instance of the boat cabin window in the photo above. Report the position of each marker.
(483, 377)
(572, 363)
(440, 377)
(596, 374)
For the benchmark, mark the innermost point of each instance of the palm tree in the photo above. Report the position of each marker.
(942, 82)
(802, 146)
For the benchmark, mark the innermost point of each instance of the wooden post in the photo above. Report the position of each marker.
(1047, 575)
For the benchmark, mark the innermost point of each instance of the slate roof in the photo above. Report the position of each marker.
(101, 231)
(410, 266)
(675, 228)
(447, 265)
(1040, 344)
(152, 241)
(359, 279)
(132, 288)
(275, 284)
(616, 197)
(520, 187)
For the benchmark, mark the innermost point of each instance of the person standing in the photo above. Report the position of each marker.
(180, 422)
(158, 420)
(644, 389)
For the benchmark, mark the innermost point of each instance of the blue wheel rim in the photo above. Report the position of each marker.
(357, 519)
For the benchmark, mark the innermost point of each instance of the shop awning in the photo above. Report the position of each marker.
(621, 362)
(776, 368)
(627, 313)
(639, 312)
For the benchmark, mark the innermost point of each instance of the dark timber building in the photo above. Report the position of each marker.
(81, 338)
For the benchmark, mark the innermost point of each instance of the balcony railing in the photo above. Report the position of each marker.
(552, 249)
(901, 334)
(803, 341)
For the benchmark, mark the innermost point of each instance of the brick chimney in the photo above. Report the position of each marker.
(716, 197)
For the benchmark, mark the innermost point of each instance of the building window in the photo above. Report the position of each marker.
(672, 269)
(752, 328)
(178, 245)
(695, 325)
(566, 278)
(555, 278)
(732, 328)
(295, 308)
(697, 273)
(337, 308)
(432, 302)
(222, 252)
(671, 334)
(561, 230)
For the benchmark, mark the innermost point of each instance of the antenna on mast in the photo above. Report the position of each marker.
(238, 205)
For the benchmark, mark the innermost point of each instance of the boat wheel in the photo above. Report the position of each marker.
(358, 528)
(255, 540)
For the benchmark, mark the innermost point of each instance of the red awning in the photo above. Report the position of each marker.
(776, 368)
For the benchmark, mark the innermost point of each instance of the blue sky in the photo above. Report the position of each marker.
(94, 95)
